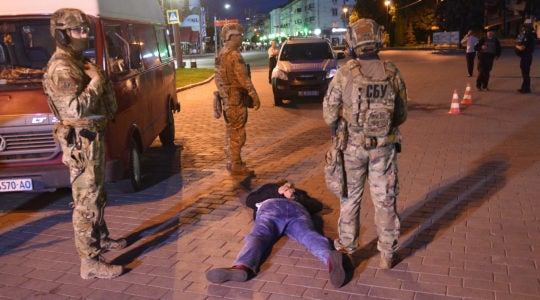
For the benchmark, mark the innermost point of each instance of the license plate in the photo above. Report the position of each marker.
(16, 185)
(308, 93)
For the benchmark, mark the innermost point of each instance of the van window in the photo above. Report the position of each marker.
(117, 49)
(146, 37)
(24, 45)
(164, 51)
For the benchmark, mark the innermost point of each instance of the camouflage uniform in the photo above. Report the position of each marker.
(234, 84)
(374, 159)
(82, 109)
(83, 106)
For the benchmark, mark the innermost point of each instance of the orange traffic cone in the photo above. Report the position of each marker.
(454, 107)
(467, 98)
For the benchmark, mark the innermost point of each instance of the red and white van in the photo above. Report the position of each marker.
(130, 42)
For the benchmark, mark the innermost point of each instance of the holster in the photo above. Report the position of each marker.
(218, 106)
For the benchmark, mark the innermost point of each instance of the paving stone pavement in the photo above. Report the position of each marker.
(469, 203)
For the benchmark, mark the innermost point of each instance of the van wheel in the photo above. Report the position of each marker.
(166, 136)
(135, 166)
(277, 101)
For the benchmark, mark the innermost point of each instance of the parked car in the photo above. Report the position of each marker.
(304, 69)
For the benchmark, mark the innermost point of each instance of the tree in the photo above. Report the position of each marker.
(371, 9)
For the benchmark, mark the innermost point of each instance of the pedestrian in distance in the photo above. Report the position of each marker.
(237, 93)
(273, 53)
(83, 101)
(489, 49)
(525, 44)
(369, 95)
(469, 41)
(280, 209)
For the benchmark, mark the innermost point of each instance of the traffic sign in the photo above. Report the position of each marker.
(173, 17)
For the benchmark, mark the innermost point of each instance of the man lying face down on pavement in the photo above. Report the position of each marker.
(279, 209)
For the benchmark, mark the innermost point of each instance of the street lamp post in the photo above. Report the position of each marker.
(227, 6)
(345, 10)
(387, 4)
(387, 25)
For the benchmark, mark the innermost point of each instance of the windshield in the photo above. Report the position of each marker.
(303, 51)
(25, 48)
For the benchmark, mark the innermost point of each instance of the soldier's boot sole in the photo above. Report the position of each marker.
(95, 268)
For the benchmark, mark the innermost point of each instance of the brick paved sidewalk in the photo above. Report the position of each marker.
(469, 204)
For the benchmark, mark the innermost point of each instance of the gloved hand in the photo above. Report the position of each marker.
(256, 102)
(91, 71)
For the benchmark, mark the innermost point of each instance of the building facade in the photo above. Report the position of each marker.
(323, 18)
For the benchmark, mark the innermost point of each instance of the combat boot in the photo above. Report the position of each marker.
(110, 244)
(386, 260)
(98, 268)
(240, 169)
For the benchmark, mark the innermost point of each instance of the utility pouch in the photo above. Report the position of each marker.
(218, 106)
(334, 169)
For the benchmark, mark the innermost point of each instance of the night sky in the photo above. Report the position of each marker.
(239, 7)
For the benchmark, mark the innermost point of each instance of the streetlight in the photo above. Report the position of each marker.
(345, 10)
(227, 6)
(387, 4)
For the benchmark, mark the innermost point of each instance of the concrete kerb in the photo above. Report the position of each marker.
(183, 88)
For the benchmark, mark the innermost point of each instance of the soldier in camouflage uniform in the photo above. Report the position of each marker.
(82, 99)
(234, 87)
(364, 93)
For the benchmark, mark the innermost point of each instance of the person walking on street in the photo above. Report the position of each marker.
(369, 95)
(280, 209)
(273, 53)
(525, 49)
(235, 89)
(83, 101)
(489, 49)
(469, 40)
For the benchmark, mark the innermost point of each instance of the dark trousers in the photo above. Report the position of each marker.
(485, 64)
(525, 66)
(470, 62)
(272, 61)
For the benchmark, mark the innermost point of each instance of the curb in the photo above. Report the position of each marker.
(183, 88)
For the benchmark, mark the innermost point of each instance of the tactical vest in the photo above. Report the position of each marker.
(372, 104)
(376, 106)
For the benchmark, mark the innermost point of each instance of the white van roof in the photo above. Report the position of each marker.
(140, 10)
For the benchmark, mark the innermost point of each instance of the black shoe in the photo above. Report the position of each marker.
(479, 88)
(336, 268)
(524, 91)
(238, 273)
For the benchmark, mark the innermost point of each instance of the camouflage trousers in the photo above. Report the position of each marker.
(87, 170)
(235, 132)
(379, 167)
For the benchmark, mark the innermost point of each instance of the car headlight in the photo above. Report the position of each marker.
(280, 74)
(330, 74)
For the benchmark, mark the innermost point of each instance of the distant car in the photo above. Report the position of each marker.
(304, 69)
(341, 51)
